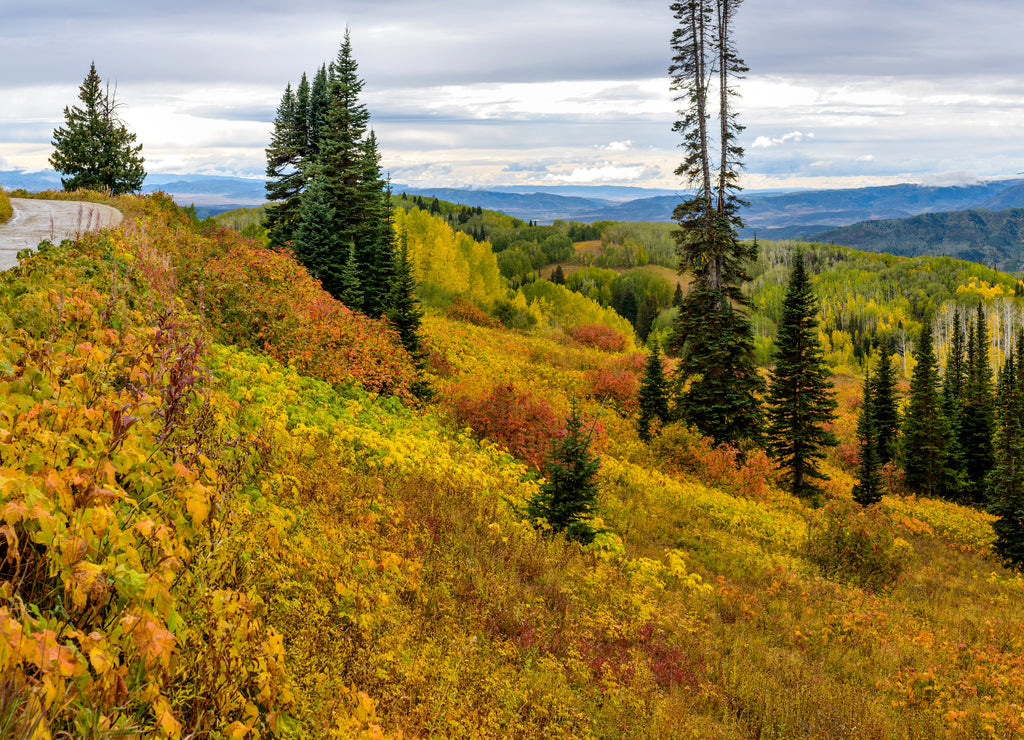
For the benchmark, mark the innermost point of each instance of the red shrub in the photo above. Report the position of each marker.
(523, 423)
(598, 336)
(617, 381)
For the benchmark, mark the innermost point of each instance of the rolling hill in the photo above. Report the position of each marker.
(993, 238)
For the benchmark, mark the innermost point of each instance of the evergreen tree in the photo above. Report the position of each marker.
(351, 290)
(375, 253)
(319, 104)
(977, 424)
(800, 398)
(926, 438)
(1006, 481)
(653, 395)
(884, 414)
(712, 334)
(285, 180)
(94, 149)
(646, 313)
(567, 499)
(868, 489)
(558, 276)
(403, 307)
(315, 239)
(677, 297)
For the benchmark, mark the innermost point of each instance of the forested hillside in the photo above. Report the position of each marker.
(993, 238)
(176, 564)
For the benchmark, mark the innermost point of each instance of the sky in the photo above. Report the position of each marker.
(480, 93)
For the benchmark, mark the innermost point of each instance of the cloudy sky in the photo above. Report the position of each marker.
(539, 92)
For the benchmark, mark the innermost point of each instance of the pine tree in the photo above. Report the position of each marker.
(375, 253)
(926, 437)
(567, 499)
(315, 239)
(978, 416)
(403, 307)
(285, 180)
(558, 276)
(653, 395)
(319, 104)
(800, 398)
(868, 489)
(677, 296)
(712, 334)
(351, 293)
(94, 149)
(884, 414)
(1006, 481)
(646, 313)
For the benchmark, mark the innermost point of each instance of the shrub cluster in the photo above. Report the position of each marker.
(598, 336)
(519, 420)
(856, 544)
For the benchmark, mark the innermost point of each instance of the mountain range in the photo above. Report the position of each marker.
(983, 221)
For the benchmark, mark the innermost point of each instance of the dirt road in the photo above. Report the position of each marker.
(36, 220)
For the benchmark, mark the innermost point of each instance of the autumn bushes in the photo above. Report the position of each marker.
(265, 301)
(121, 469)
(6, 211)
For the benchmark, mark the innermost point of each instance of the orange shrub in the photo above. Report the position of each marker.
(465, 310)
(683, 450)
(618, 380)
(598, 336)
(519, 420)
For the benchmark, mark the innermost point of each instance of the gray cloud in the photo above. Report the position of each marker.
(857, 50)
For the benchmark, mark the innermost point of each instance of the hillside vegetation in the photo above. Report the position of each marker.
(6, 211)
(220, 519)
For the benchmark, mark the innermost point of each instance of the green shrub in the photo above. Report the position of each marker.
(857, 545)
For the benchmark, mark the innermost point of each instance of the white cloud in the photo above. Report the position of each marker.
(765, 142)
(866, 158)
(619, 146)
(602, 173)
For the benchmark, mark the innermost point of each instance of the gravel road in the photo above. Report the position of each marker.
(36, 220)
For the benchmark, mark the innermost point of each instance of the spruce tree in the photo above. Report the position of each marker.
(403, 307)
(567, 499)
(285, 179)
(646, 313)
(94, 149)
(1006, 481)
(319, 104)
(558, 276)
(351, 293)
(800, 399)
(868, 489)
(926, 438)
(884, 414)
(716, 383)
(375, 253)
(653, 395)
(978, 416)
(315, 241)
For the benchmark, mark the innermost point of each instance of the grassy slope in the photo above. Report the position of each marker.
(377, 544)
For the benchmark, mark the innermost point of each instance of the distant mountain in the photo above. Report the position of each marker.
(771, 214)
(993, 238)
(209, 193)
